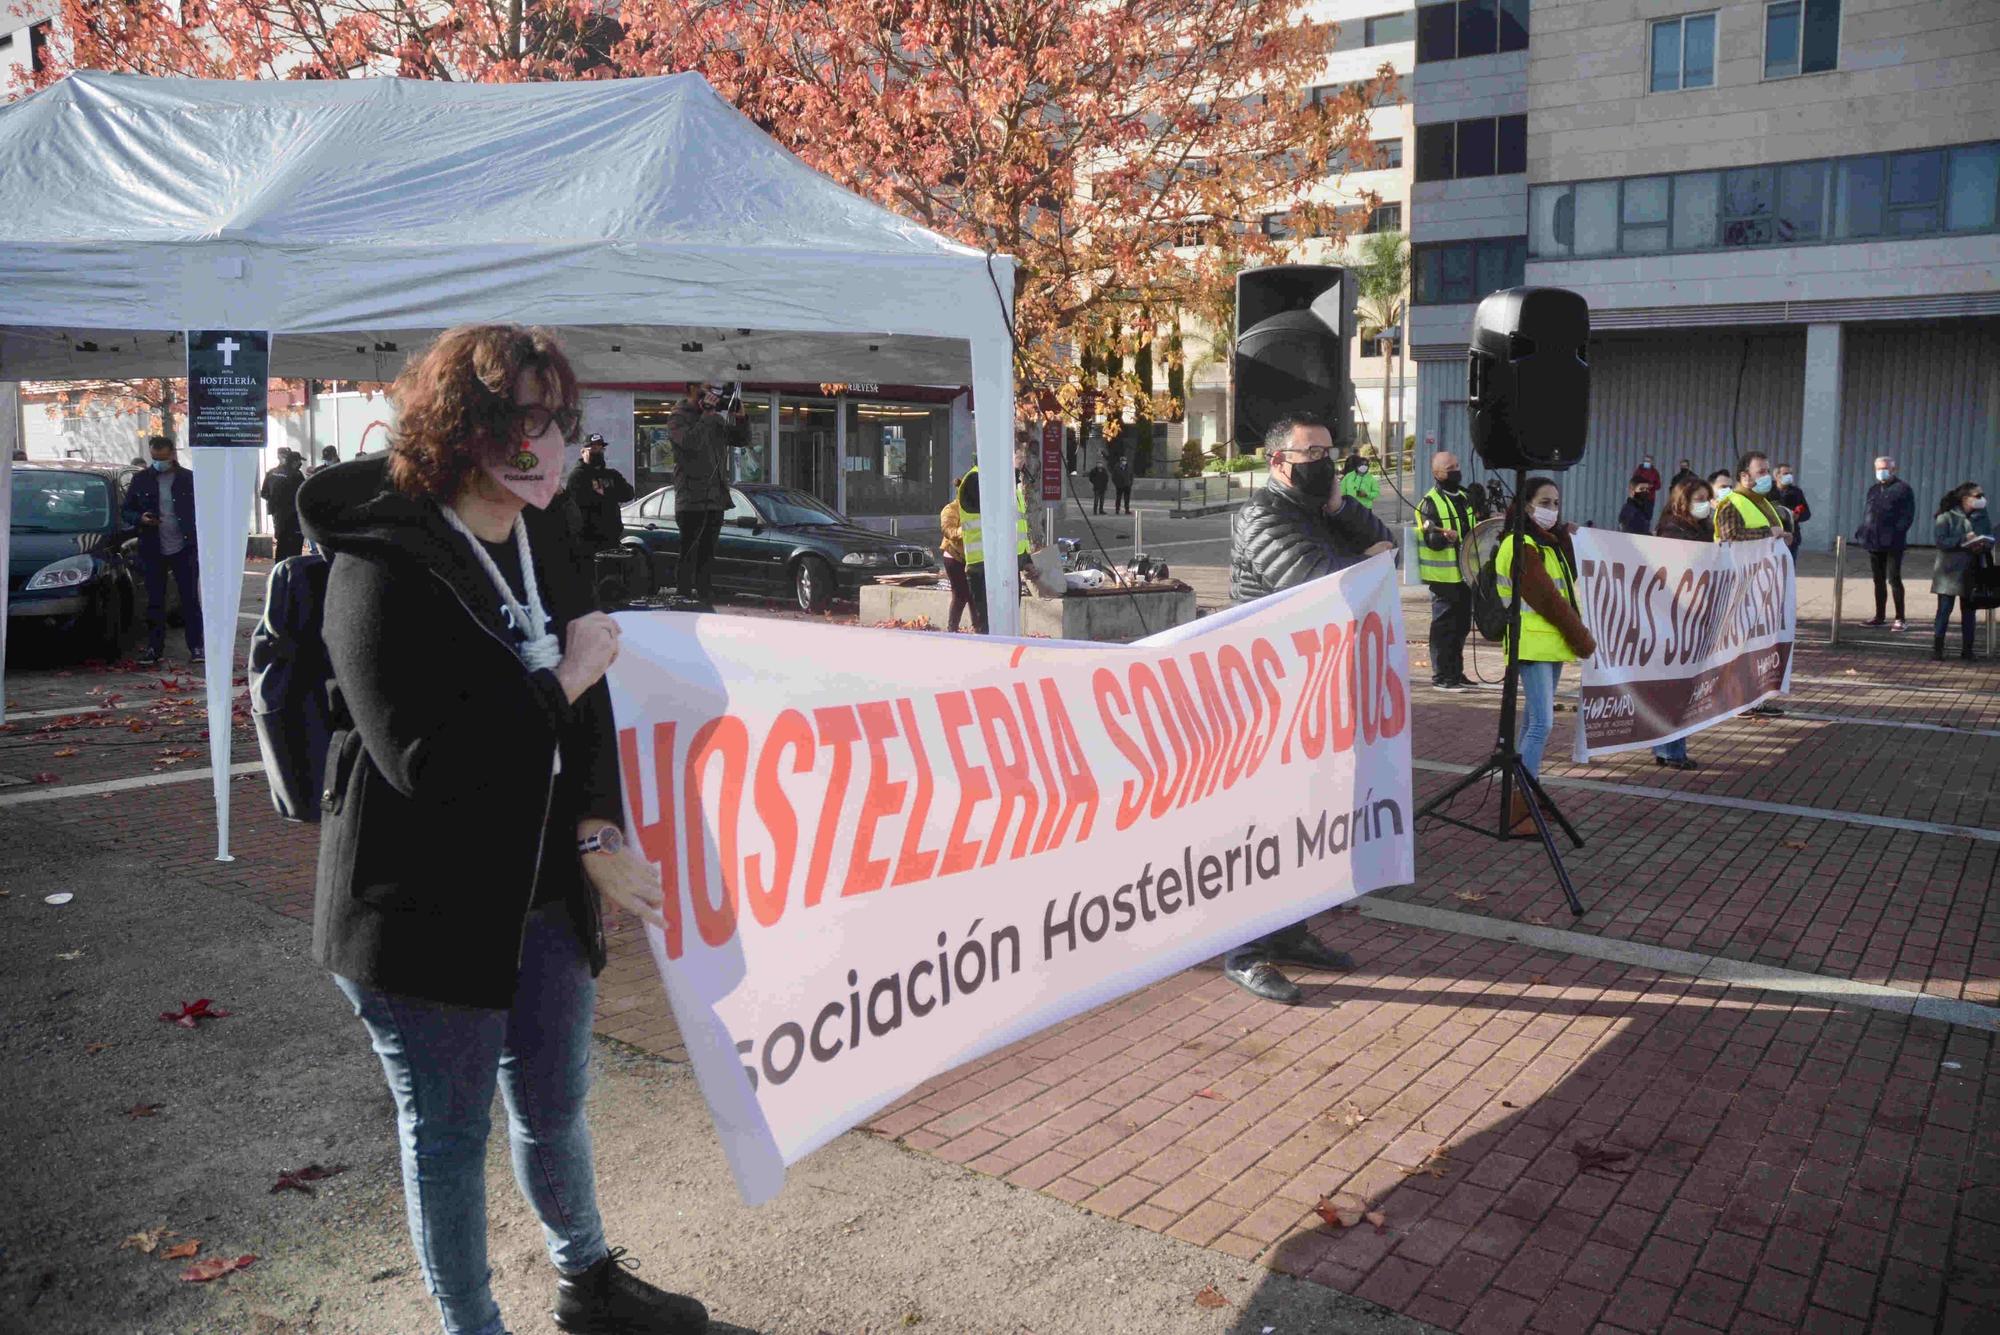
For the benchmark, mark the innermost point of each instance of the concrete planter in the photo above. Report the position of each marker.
(1107, 618)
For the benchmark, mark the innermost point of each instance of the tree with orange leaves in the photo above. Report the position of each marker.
(1125, 153)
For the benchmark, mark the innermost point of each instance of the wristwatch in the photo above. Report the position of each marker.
(607, 840)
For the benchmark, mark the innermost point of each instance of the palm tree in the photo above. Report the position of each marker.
(1382, 274)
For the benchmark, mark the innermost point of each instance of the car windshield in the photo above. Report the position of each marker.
(60, 503)
(795, 509)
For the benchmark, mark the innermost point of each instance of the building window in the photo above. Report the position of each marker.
(1386, 28)
(1801, 37)
(1924, 192)
(1385, 218)
(1452, 272)
(1388, 154)
(1683, 53)
(1461, 150)
(1466, 28)
(1277, 226)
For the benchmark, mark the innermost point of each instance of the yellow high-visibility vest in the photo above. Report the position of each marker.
(973, 525)
(1541, 642)
(1441, 567)
(1746, 506)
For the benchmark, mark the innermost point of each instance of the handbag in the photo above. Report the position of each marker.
(1982, 585)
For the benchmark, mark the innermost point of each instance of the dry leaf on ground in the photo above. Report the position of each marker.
(1341, 1211)
(1597, 1156)
(298, 1178)
(1471, 896)
(1210, 1296)
(181, 1251)
(192, 1013)
(144, 1109)
(146, 1240)
(1435, 1164)
(215, 1267)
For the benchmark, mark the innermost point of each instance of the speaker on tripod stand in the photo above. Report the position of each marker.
(1528, 404)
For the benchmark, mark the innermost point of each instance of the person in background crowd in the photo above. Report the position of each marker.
(1689, 517)
(1100, 478)
(598, 490)
(160, 504)
(21, 457)
(1683, 474)
(1121, 481)
(979, 539)
(1792, 500)
(1720, 483)
(328, 457)
(1636, 515)
(1446, 516)
(1360, 484)
(466, 937)
(703, 438)
(1963, 533)
(1552, 631)
(1649, 475)
(1069, 450)
(1747, 513)
(280, 494)
(1890, 509)
(1298, 528)
(951, 553)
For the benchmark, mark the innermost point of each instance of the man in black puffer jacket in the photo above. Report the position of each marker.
(1298, 528)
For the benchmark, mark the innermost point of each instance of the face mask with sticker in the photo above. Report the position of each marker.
(534, 471)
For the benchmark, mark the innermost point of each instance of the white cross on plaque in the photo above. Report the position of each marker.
(229, 347)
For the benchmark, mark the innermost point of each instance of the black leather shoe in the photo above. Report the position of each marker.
(609, 1300)
(1262, 979)
(1306, 950)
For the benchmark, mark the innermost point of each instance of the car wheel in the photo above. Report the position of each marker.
(812, 584)
(106, 631)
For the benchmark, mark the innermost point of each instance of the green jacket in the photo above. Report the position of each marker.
(1363, 487)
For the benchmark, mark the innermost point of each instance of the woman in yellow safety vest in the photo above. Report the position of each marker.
(1552, 631)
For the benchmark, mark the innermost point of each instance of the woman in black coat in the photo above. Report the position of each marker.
(472, 809)
(1964, 538)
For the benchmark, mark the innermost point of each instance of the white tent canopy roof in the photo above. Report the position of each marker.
(381, 210)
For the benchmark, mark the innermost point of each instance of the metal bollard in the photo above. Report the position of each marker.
(895, 526)
(1138, 524)
(1839, 581)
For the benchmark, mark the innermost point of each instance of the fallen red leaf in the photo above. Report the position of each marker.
(92, 1049)
(1208, 1094)
(65, 753)
(192, 1013)
(297, 1178)
(45, 777)
(215, 1267)
(1210, 1296)
(1340, 1213)
(1537, 979)
(144, 1109)
(180, 1251)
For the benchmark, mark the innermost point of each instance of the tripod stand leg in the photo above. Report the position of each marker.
(1534, 790)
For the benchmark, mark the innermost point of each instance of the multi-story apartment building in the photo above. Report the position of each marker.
(1371, 33)
(1785, 215)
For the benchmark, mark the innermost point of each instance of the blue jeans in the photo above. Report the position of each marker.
(1676, 750)
(1538, 711)
(442, 1062)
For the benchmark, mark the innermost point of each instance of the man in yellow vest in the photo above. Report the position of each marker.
(1747, 513)
(1445, 519)
(973, 530)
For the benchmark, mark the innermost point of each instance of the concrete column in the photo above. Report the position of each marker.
(1819, 460)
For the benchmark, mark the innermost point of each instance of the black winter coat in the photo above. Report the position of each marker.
(1892, 508)
(142, 497)
(443, 779)
(1281, 537)
(603, 523)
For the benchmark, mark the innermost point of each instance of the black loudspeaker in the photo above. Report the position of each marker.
(1528, 393)
(1293, 326)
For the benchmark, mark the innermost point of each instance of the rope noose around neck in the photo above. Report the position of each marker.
(539, 648)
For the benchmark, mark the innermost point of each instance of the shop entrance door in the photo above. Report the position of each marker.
(810, 449)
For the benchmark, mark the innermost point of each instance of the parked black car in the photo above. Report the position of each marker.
(776, 543)
(70, 560)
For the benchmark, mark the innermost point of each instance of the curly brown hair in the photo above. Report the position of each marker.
(455, 403)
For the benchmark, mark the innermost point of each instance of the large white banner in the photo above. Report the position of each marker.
(1688, 634)
(883, 853)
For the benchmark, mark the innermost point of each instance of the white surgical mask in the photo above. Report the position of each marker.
(1979, 502)
(1701, 509)
(1785, 479)
(1884, 474)
(1722, 488)
(1545, 515)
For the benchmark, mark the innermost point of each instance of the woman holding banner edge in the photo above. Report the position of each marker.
(1689, 517)
(472, 813)
(1552, 630)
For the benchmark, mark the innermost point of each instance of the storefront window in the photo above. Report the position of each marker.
(898, 458)
(653, 449)
(809, 451)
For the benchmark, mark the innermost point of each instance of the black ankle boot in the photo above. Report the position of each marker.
(1937, 648)
(608, 1300)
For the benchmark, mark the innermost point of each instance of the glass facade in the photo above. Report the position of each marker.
(1459, 150)
(653, 449)
(1451, 272)
(898, 458)
(1925, 192)
(1463, 28)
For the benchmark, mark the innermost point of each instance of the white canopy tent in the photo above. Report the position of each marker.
(655, 226)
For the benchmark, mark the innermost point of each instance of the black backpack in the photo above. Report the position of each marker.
(291, 686)
(1489, 609)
